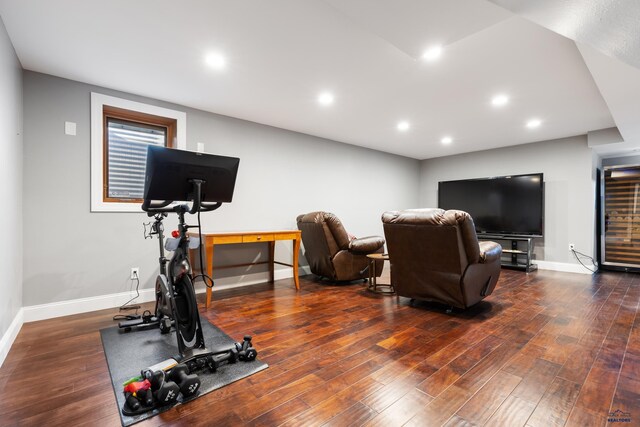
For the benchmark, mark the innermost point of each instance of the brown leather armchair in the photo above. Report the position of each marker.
(435, 256)
(331, 253)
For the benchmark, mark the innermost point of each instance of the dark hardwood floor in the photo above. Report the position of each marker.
(546, 349)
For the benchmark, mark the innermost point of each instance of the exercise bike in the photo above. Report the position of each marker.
(205, 181)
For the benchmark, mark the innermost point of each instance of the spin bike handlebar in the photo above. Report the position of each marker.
(151, 207)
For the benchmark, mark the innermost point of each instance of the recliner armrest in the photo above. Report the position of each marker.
(366, 244)
(489, 252)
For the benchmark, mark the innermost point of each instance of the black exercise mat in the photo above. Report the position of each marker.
(129, 352)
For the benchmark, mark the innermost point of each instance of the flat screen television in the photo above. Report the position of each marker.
(506, 205)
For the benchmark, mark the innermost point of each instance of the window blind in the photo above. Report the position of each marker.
(127, 154)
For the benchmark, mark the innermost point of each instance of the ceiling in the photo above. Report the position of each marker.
(609, 26)
(281, 54)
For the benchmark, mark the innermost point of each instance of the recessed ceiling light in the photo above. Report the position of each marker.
(446, 140)
(325, 98)
(432, 53)
(403, 126)
(499, 100)
(534, 123)
(216, 61)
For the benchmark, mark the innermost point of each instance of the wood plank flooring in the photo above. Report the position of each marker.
(546, 349)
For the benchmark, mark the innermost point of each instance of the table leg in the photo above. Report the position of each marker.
(209, 268)
(272, 249)
(296, 249)
(372, 274)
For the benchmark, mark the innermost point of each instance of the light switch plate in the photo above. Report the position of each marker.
(200, 147)
(70, 128)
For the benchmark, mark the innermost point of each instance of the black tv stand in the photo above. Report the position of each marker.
(520, 259)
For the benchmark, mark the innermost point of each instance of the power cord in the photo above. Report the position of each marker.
(202, 271)
(580, 254)
(126, 305)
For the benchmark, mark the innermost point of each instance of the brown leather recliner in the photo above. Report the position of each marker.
(329, 251)
(435, 256)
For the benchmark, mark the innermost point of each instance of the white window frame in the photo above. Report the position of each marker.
(98, 101)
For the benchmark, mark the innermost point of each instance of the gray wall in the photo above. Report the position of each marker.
(10, 181)
(568, 169)
(72, 253)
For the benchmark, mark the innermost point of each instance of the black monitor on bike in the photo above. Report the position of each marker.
(171, 174)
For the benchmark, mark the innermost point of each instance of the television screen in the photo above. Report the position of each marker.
(169, 173)
(511, 205)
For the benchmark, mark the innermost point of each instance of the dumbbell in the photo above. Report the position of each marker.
(165, 325)
(164, 392)
(198, 363)
(146, 397)
(246, 352)
(132, 404)
(188, 384)
(137, 392)
(230, 356)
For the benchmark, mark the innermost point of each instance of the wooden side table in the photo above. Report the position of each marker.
(226, 238)
(373, 283)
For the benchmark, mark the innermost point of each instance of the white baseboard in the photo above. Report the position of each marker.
(83, 305)
(10, 336)
(34, 313)
(566, 267)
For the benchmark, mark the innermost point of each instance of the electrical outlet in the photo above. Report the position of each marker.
(135, 273)
(572, 246)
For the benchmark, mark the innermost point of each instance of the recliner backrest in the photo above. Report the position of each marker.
(319, 243)
(449, 237)
(337, 230)
(335, 234)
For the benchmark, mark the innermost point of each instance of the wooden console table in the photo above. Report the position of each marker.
(226, 238)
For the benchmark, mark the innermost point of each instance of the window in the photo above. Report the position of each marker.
(121, 132)
(126, 137)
